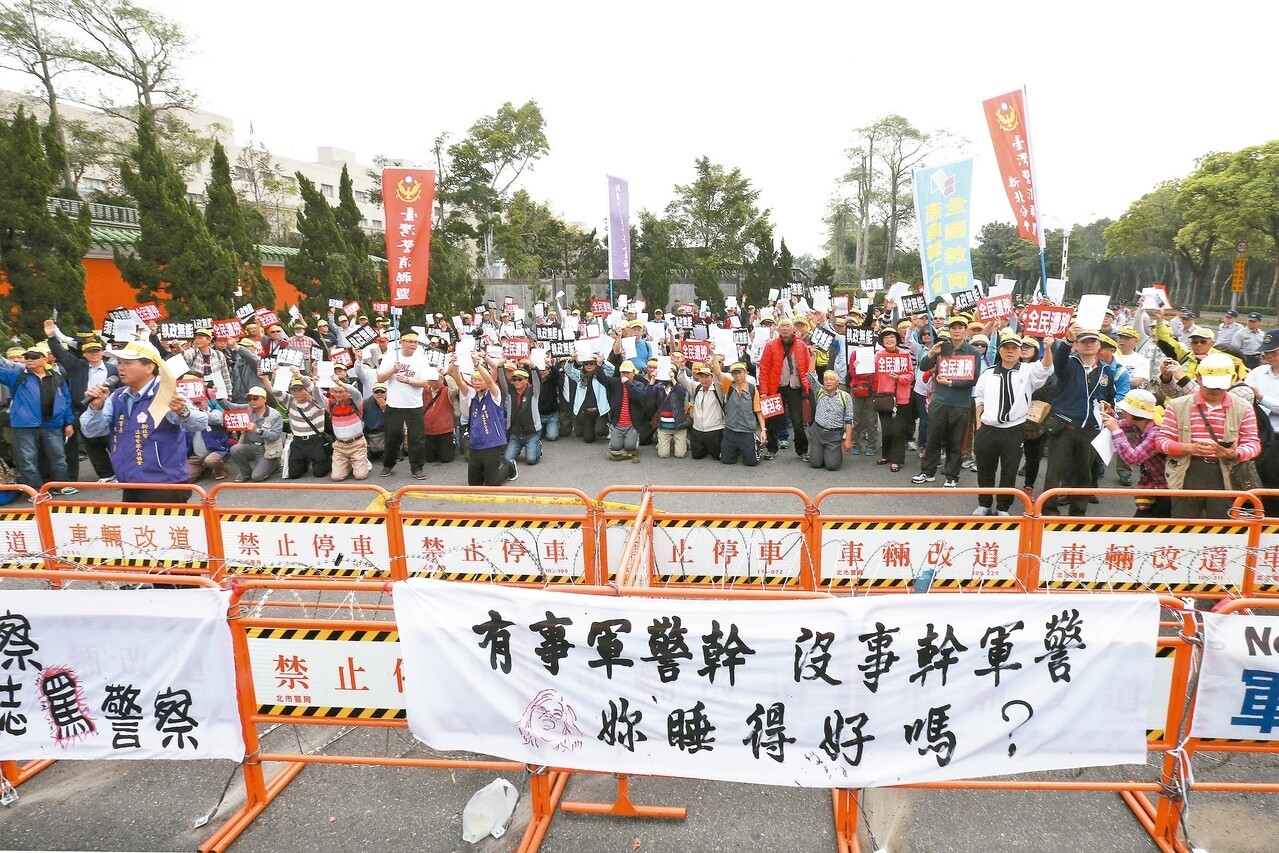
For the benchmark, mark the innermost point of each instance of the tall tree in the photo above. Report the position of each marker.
(175, 258)
(41, 253)
(1257, 206)
(32, 49)
(784, 264)
(368, 283)
(321, 270)
(226, 222)
(654, 257)
(262, 185)
(760, 272)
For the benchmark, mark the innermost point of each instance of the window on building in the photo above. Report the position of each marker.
(326, 190)
(89, 185)
(361, 196)
(377, 224)
(242, 173)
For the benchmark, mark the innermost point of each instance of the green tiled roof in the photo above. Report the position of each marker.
(109, 237)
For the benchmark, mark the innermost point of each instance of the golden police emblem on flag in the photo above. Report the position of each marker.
(1007, 117)
(408, 190)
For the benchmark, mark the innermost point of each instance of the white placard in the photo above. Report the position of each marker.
(639, 305)
(723, 344)
(821, 301)
(628, 347)
(1091, 311)
(324, 374)
(1002, 287)
(463, 351)
(132, 674)
(177, 365)
(864, 360)
(898, 290)
(283, 376)
(220, 391)
(656, 331)
(1104, 445)
(585, 348)
(864, 692)
(1055, 290)
(537, 356)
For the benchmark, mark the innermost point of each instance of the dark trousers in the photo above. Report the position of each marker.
(946, 426)
(439, 448)
(997, 448)
(703, 444)
(1033, 453)
(397, 420)
(99, 456)
(591, 425)
(1201, 475)
(1070, 457)
(308, 453)
(487, 467)
(894, 432)
(793, 413)
(155, 496)
(734, 444)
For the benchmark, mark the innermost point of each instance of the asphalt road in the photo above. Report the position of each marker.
(153, 805)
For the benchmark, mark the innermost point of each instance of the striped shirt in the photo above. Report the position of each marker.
(1248, 443)
(832, 411)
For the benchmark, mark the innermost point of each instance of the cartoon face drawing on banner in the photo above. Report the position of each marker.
(550, 721)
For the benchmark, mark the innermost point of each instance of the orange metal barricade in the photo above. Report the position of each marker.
(458, 543)
(757, 549)
(981, 552)
(323, 542)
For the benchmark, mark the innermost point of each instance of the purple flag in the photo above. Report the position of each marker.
(619, 230)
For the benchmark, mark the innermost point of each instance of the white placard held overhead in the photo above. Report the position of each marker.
(177, 365)
(1055, 290)
(1091, 311)
(537, 356)
(585, 348)
(280, 382)
(628, 347)
(724, 345)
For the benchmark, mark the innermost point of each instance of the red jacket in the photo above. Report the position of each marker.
(769, 373)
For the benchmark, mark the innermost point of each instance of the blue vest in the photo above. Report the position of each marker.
(487, 426)
(140, 451)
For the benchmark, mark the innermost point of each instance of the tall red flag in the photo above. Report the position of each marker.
(1009, 133)
(408, 197)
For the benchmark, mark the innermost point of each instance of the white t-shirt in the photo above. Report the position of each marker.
(1138, 366)
(400, 395)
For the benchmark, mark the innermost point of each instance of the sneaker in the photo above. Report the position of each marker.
(1093, 499)
(783, 443)
(108, 480)
(805, 457)
(1001, 512)
(951, 484)
(910, 445)
(68, 490)
(242, 479)
(984, 510)
(768, 456)
(1125, 480)
(420, 474)
(924, 478)
(969, 464)
(515, 471)
(1030, 492)
(386, 472)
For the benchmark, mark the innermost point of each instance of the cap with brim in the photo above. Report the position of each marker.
(1028, 341)
(33, 353)
(323, 324)
(379, 386)
(520, 374)
(1005, 340)
(1232, 313)
(959, 320)
(1088, 335)
(88, 345)
(14, 352)
(1201, 332)
(138, 350)
(979, 339)
(1140, 403)
(1270, 341)
(208, 333)
(252, 325)
(248, 342)
(634, 324)
(652, 362)
(1127, 332)
(297, 384)
(275, 327)
(976, 324)
(698, 367)
(1217, 370)
(889, 331)
(736, 366)
(256, 391)
(627, 367)
(299, 325)
(767, 321)
(943, 335)
(1254, 316)
(1107, 341)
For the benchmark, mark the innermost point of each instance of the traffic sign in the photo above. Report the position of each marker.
(1242, 247)
(1236, 282)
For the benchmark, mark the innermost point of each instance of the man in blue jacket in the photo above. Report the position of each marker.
(40, 415)
(83, 371)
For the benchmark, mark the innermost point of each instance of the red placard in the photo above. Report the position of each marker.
(267, 318)
(193, 388)
(696, 350)
(228, 329)
(148, 311)
(995, 307)
(771, 406)
(342, 357)
(351, 309)
(235, 421)
(516, 348)
(601, 307)
(382, 308)
(957, 367)
(408, 196)
(1042, 320)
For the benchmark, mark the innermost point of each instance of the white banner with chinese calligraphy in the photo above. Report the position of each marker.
(93, 674)
(1238, 694)
(866, 691)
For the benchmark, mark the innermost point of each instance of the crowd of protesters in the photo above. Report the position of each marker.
(930, 394)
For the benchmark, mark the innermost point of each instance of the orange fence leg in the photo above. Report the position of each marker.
(844, 804)
(545, 789)
(623, 807)
(15, 775)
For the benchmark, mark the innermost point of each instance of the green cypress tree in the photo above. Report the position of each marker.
(41, 253)
(225, 220)
(321, 270)
(369, 284)
(175, 259)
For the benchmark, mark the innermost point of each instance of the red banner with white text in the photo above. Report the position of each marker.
(408, 197)
(1006, 118)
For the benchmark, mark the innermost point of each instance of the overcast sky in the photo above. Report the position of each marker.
(1122, 94)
